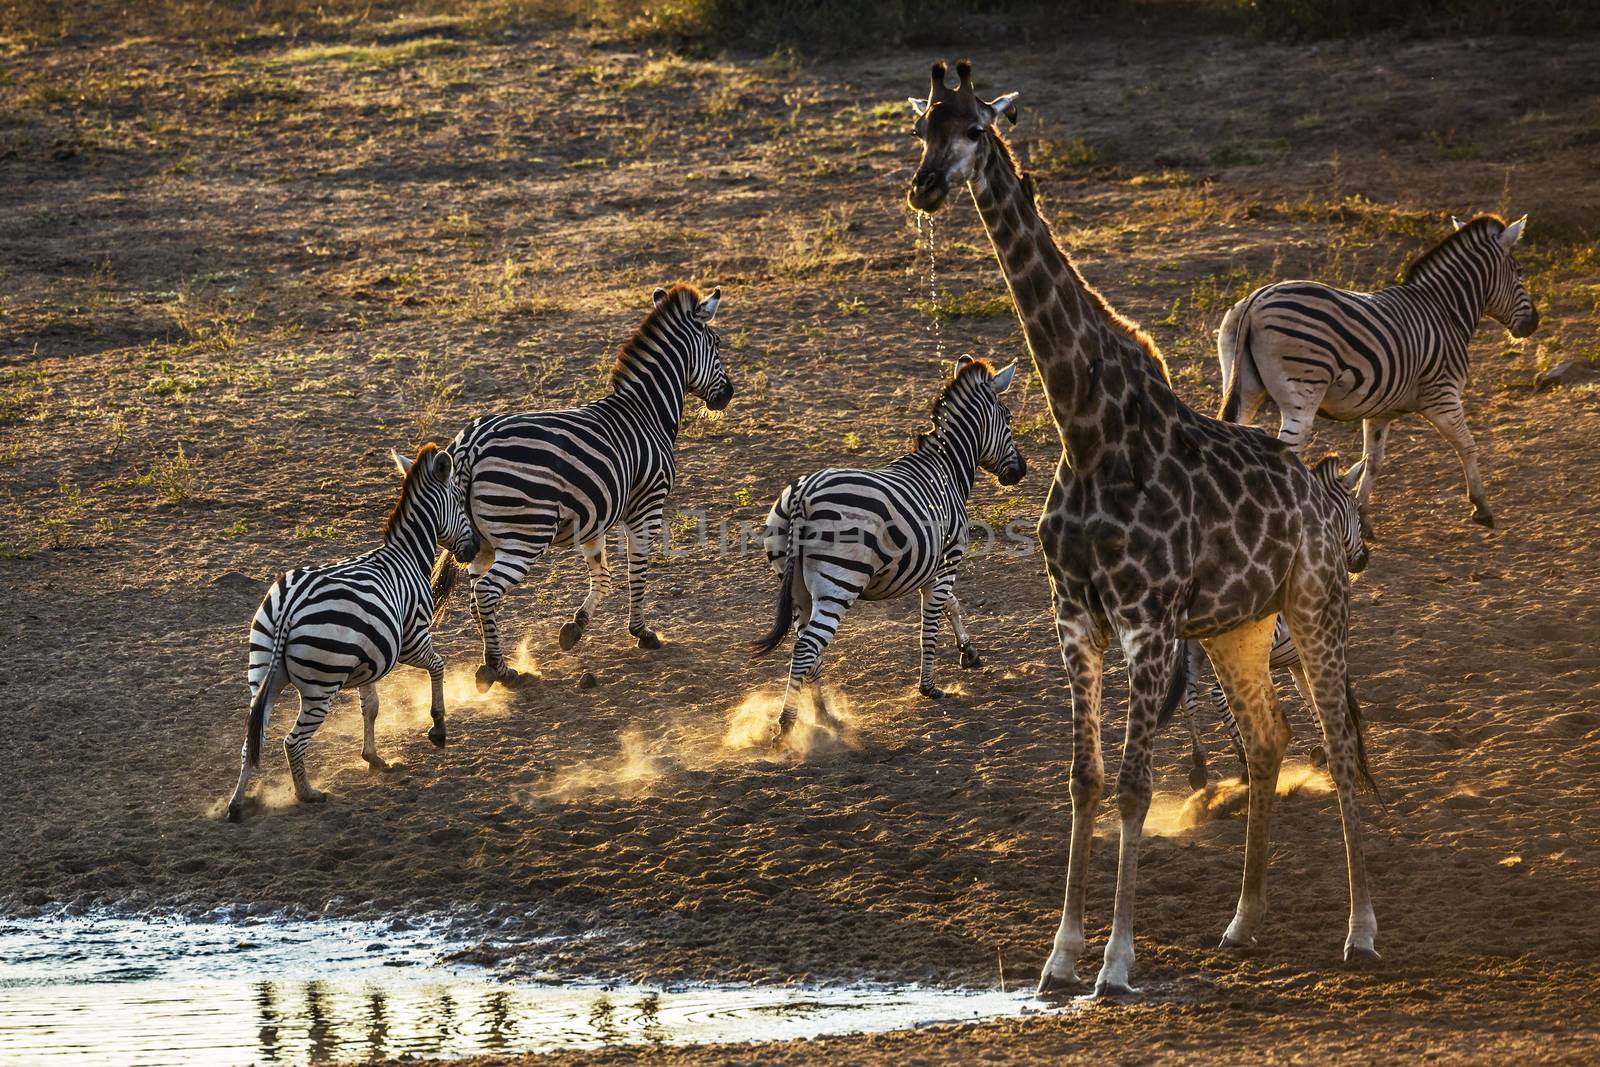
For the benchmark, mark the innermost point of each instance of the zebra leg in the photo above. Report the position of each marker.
(1374, 441)
(934, 596)
(425, 657)
(640, 537)
(970, 660)
(1451, 422)
(369, 719)
(487, 591)
(1302, 685)
(313, 710)
(805, 661)
(594, 553)
(236, 804)
(1192, 701)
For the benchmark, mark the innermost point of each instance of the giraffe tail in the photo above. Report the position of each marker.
(1353, 708)
(1175, 688)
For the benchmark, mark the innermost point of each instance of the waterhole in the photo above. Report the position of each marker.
(100, 990)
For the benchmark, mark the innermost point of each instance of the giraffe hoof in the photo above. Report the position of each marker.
(484, 678)
(970, 660)
(649, 639)
(1359, 954)
(1108, 989)
(437, 736)
(1197, 778)
(1232, 944)
(1483, 518)
(1052, 985)
(235, 812)
(376, 762)
(932, 692)
(569, 636)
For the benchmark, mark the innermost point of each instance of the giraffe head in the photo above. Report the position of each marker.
(956, 132)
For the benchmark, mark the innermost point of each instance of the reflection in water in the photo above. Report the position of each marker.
(99, 991)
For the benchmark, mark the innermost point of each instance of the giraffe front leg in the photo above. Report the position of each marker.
(369, 720)
(594, 554)
(934, 596)
(313, 710)
(970, 660)
(1083, 651)
(1240, 658)
(640, 537)
(1153, 656)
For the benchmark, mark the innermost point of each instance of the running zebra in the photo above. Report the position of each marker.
(534, 481)
(1339, 492)
(323, 629)
(838, 535)
(1375, 356)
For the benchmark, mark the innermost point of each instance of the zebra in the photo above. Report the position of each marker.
(1340, 494)
(1375, 356)
(322, 629)
(838, 535)
(534, 481)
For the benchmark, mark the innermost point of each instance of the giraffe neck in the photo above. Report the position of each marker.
(1095, 370)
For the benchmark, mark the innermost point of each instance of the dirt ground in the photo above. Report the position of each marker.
(231, 279)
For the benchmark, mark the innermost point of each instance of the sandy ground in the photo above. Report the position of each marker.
(234, 279)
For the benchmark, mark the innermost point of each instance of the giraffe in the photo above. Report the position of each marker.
(1162, 524)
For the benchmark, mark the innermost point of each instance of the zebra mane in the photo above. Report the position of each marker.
(681, 299)
(1478, 224)
(918, 438)
(421, 463)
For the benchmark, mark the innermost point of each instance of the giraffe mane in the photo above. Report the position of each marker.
(1474, 225)
(424, 457)
(1120, 321)
(681, 298)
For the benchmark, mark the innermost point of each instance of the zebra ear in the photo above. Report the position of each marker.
(1513, 233)
(708, 306)
(401, 463)
(659, 295)
(1002, 379)
(1352, 477)
(443, 464)
(1455, 223)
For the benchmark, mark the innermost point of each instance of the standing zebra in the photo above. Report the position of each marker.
(1339, 490)
(1375, 356)
(549, 479)
(838, 535)
(321, 629)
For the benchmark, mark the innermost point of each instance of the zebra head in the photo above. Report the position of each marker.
(955, 128)
(1340, 490)
(437, 500)
(996, 450)
(1506, 299)
(701, 345)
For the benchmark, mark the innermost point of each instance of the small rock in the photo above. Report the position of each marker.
(235, 580)
(587, 680)
(1567, 372)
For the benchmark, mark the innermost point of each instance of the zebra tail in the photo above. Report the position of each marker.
(1353, 708)
(1175, 688)
(1233, 354)
(256, 732)
(446, 572)
(784, 617)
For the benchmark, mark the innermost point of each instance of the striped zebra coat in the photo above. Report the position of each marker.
(1376, 356)
(1202, 700)
(325, 629)
(535, 481)
(838, 536)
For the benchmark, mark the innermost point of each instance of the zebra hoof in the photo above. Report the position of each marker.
(1482, 517)
(970, 660)
(932, 692)
(514, 679)
(1197, 778)
(649, 639)
(437, 736)
(570, 633)
(484, 678)
(312, 796)
(235, 812)
(375, 762)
